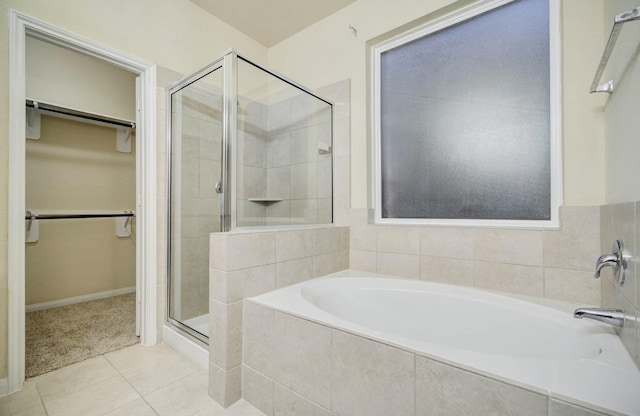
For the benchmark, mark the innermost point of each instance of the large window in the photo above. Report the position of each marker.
(466, 119)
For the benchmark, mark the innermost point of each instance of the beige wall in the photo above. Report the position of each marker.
(583, 117)
(175, 34)
(75, 166)
(328, 52)
(59, 76)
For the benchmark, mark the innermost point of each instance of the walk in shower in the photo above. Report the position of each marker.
(248, 149)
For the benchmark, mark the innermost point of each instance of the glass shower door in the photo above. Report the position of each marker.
(196, 169)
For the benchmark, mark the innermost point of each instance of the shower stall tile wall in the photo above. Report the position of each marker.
(340, 94)
(286, 160)
(245, 264)
(284, 172)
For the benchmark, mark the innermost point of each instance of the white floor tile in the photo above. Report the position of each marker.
(102, 386)
(184, 397)
(135, 408)
(239, 408)
(34, 411)
(94, 400)
(139, 357)
(75, 377)
(150, 368)
(20, 401)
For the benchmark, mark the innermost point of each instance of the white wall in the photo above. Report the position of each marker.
(328, 52)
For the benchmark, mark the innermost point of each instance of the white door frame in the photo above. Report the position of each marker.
(20, 26)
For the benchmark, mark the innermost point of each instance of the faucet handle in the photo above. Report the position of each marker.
(616, 260)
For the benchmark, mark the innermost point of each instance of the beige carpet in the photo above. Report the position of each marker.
(69, 334)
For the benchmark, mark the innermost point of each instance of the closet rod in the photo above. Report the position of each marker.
(80, 114)
(33, 216)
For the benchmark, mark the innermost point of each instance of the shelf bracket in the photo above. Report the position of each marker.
(32, 228)
(32, 127)
(123, 140)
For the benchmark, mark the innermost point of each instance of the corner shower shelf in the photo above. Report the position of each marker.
(265, 200)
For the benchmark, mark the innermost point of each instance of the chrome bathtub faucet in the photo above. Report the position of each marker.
(613, 317)
(618, 261)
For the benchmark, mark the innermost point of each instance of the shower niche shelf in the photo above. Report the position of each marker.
(265, 200)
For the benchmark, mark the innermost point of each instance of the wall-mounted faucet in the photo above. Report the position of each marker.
(613, 317)
(616, 260)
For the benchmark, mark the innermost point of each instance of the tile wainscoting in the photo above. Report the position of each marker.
(622, 222)
(555, 264)
(245, 264)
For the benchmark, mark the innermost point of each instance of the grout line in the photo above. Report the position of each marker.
(40, 397)
(415, 384)
(149, 404)
(141, 396)
(122, 375)
(331, 374)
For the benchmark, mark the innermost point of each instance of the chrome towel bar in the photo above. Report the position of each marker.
(618, 21)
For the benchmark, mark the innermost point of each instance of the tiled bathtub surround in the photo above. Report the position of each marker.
(555, 264)
(622, 222)
(292, 366)
(245, 264)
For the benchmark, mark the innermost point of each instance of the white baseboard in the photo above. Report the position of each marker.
(4, 387)
(78, 299)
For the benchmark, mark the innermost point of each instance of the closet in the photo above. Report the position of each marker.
(80, 254)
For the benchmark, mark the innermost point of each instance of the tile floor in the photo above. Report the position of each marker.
(133, 381)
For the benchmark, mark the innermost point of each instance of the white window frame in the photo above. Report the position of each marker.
(444, 22)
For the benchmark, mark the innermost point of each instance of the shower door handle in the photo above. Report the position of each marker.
(218, 187)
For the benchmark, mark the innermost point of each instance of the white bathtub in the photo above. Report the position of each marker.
(537, 347)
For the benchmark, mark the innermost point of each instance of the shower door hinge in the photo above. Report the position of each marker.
(218, 187)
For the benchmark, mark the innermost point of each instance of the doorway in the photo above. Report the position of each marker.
(144, 200)
(80, 187)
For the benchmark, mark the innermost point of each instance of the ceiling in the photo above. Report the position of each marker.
(271, 21)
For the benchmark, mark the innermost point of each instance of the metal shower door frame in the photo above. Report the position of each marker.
(225, 64)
